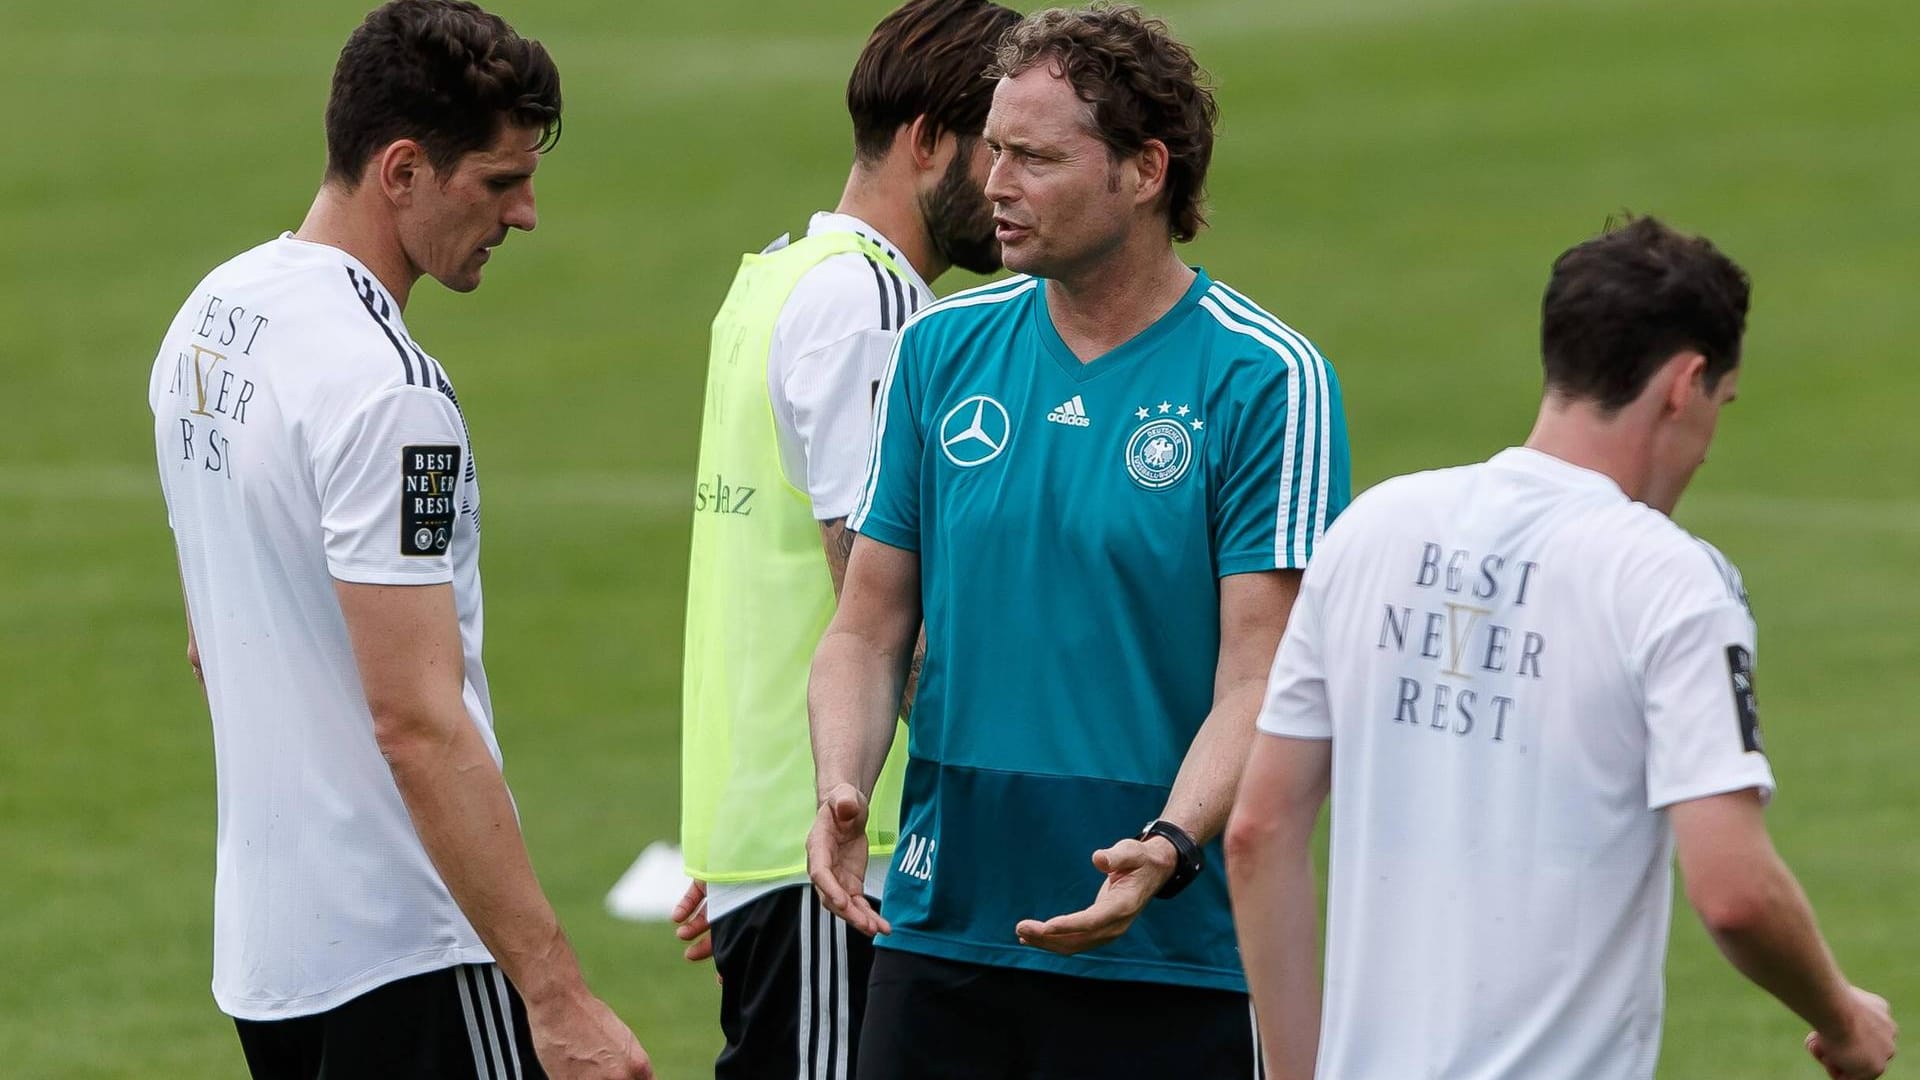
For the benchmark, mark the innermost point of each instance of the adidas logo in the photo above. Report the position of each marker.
(1073, 413)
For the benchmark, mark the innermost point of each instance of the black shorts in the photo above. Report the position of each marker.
(793, 987)
(933, 1019)
(459, 1023)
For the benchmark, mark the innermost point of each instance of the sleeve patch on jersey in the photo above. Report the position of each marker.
(1746, 707)
(428, 477)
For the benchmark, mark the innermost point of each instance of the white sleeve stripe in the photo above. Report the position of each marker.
(804, 1049)
(1325, 402)
(1301, 388)
(986, 294)
(1305, 527)
(1319, 365)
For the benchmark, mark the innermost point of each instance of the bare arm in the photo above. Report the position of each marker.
(853, 702)
(406, 639)
(861, 665)
(837, 541)
(1758, 916)
(1275, 905)
(1253, 615)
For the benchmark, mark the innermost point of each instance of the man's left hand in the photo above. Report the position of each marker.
(1135, 871)
(690, 923)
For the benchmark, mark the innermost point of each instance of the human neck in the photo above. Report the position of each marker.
(891, 205)
(1578, 433)
(1102, 307)
(343, 219)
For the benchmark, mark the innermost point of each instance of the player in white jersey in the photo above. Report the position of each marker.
(794, 979)
(1525, 685)
(375, 913)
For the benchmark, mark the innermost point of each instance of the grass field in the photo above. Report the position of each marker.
(1393, 177)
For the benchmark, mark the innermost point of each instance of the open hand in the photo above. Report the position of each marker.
(1135, 871)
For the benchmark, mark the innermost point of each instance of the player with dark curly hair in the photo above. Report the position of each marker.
(375, 913)
(1098, 480)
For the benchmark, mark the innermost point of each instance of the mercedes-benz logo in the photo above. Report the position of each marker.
(974, 431)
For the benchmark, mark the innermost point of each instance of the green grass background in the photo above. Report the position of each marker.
(1393, 176)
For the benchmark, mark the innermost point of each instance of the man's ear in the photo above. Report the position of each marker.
(399, 167)
(1689, 379)
(1151, 163)
(923, 139)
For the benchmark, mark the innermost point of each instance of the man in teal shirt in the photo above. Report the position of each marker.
(1098, 480)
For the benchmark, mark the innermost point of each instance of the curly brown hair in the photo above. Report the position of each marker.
(443, 72)
(1139, 84)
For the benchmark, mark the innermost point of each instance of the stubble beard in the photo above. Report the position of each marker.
(960, 221)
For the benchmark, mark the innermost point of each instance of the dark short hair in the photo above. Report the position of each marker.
(1623, 303)
(443, 72)
(1140, 84)
(926, 58)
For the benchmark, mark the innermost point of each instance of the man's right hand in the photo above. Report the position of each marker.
(837, 859)
(579, 1038)
(1862, 1049)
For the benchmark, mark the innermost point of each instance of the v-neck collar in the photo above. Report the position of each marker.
(1123, 354)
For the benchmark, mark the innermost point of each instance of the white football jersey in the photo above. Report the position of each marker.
(1519, 669)
(303, 437)
(830, 348)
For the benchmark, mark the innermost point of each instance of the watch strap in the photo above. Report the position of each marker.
(1189, 860)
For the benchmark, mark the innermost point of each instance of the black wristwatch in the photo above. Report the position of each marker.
(1188, 858)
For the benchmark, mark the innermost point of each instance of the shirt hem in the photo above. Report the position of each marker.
(1294, 733)
(353, 575)
(1083, 966)
(241, 1008)
(1708, 789)
(1252, 564)
(891, 535)
(825, 510)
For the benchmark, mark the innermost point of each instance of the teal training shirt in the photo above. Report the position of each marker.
(1073, 521)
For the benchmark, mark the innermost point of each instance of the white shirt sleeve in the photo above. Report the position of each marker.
(830, 393)
(829, 352)
(1703, 734)
(1297, 704)
(391, 481)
